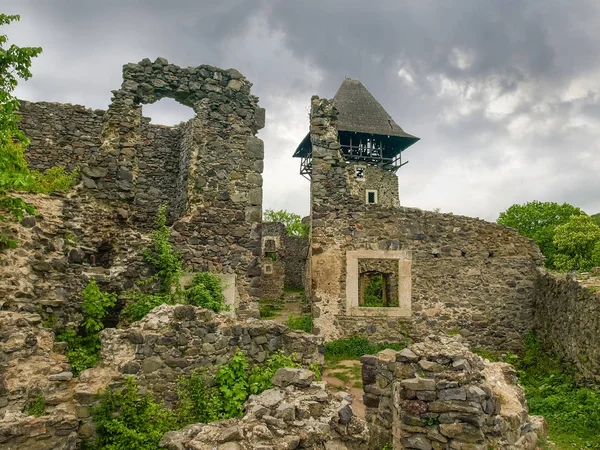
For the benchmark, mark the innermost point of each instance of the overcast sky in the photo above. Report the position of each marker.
(504, 94)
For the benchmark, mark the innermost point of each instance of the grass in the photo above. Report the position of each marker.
(270, 308)
(302, 323)
(354, 347)
(486, 354)
(293, 290)
(571, 408)
(343, 376)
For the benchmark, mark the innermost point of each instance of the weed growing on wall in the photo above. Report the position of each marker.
(128, 419)
(35, 406)
(161, 255)
(83, 345)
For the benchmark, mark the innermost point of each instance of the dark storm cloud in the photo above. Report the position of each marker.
(502, 92)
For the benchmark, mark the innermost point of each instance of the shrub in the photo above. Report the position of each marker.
(165, 260)
(571, 409)
(197, 402)
(142, 304)
(126, 419)
(83, 349)
(206, 292)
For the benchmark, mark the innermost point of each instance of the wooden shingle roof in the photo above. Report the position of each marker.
(359, 111)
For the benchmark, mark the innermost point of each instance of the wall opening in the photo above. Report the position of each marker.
(378, 283)
(374, 290)
(371, 196)
(167, 112)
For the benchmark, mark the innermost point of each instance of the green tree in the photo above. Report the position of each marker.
(15, 62)
(596, 218)
(293, 222)
(538, 220)
(14, 175)
(576, 242)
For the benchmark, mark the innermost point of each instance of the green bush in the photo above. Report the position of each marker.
(302, 323)
(126, 419)
(353, 347)
(197, 402)
(35, 406)
(571, 409)
(206, 292)
(141, 304)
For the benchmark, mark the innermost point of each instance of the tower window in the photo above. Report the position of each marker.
(360, 173)
(371, 196)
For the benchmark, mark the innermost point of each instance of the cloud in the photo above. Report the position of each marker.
(503, 93)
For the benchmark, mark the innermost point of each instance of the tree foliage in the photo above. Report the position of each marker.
(293, 222)
(15, 62)
(578, 244)
(538, 221)
(15, 176)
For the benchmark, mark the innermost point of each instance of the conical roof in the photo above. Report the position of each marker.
(359, 111)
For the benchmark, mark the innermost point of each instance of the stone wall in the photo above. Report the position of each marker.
(468, 276)
(170, 342)
(173, 341)
(273, 260)
(567, 319)
(61, 134)
(297, 413)
(28, 368)
(295, 255)
(438, 395)
(208, 169)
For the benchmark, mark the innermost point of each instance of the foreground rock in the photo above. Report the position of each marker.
(438, 395)
(289, 416)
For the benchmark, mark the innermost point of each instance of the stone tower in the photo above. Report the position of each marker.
(351, 156)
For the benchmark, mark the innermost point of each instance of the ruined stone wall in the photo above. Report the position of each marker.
(170, 342)
(30, 368)
(296, 413)
(208, 169)
(295, 255)
(173, 341)
(468, 275)
(61, 134)
(567, 319)
(438, 395)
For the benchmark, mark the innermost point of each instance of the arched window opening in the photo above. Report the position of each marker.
(167, 112)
